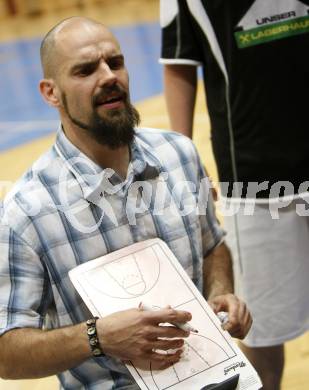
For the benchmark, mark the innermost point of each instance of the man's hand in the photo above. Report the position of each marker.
(137, 335)
(239, 317)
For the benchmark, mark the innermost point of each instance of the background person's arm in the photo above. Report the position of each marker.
(180, 86)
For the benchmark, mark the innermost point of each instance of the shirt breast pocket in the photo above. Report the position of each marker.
(182, 233)
(177, 220)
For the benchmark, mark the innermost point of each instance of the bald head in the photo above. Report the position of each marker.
(50, 51)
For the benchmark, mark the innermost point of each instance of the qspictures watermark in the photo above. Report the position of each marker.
(162, 195)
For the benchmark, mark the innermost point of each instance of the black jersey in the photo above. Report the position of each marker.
(255, 61)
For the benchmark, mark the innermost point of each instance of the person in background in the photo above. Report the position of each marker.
(255, 72)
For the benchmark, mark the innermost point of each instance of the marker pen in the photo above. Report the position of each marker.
(184, 326)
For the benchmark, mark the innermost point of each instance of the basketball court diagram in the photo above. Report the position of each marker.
(200, 354)
(148, 272)
(127, 278)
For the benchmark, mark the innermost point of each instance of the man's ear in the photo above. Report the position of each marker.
(50, 92)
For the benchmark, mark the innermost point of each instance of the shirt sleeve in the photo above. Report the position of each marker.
(23, 294)
(178, 45)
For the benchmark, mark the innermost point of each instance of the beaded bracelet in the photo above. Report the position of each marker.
(93, 337)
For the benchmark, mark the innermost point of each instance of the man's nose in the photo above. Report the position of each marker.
(106, 74)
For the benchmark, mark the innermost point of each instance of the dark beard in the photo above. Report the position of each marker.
(114, 130)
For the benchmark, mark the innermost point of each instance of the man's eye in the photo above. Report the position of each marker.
(85, 71)
(116, 63)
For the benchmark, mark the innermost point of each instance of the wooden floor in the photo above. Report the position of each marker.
(153, 113)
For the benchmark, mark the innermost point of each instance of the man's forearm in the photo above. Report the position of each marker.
(180, 83)
(218, 290)
(218, 272)
(34, 353)
(132, 334)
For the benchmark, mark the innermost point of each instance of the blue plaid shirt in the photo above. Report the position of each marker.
(67, 210)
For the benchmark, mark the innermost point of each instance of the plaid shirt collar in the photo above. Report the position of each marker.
(92, 178)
